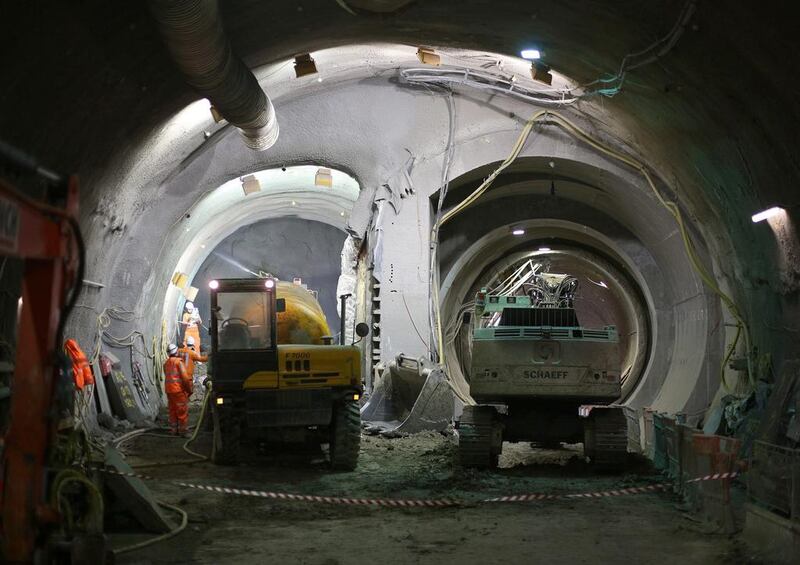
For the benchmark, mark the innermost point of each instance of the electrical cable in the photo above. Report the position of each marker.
(411, 318)
(669, 41)
(157, 539)
(197, 456)
(577, 132)
(437, 355)
(464, 76)
(95, 510)
(77, 285)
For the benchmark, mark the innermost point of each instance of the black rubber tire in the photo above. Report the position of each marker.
(345, 441)
(226, 437)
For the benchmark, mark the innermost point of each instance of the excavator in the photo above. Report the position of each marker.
(43, 233)
(538, 375)
(277, 376)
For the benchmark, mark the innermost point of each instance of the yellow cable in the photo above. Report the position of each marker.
(199, 457)
(66, 476)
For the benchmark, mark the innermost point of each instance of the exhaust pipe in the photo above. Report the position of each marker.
(193, 33)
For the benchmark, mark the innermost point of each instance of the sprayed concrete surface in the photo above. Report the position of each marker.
(646, 528)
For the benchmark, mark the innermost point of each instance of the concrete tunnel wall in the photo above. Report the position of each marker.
(484, 134)
(675, 114)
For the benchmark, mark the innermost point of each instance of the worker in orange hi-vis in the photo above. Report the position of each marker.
(178, 386)
(190, 355)
(191, 322)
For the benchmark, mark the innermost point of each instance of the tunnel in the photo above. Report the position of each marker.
(398, 160)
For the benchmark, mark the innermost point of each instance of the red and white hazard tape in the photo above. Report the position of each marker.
(421, 503)
(599, 494)
(715, 477)
(389, 502)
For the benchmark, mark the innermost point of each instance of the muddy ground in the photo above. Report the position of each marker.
(648, 528)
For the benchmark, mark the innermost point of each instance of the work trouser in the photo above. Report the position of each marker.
(178, 411)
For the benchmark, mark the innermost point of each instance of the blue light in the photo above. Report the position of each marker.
(530, 54)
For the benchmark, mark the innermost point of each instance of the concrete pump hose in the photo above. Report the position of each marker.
(192, 31)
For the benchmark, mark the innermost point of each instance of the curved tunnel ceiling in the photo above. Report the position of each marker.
(140, 169)
(283, 192)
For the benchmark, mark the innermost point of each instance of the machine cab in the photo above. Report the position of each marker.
(243, 329)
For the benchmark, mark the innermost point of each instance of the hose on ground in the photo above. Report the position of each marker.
(197, 456)
(162, 537)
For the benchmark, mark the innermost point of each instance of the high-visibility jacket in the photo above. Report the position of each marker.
(189, 356)
(81, 370)
(175, 377)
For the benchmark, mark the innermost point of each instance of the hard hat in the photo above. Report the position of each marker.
(172, 349)
(190, 340)
(189, 306)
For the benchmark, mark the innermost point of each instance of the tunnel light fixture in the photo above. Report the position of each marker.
(544, 249)
(304, 65)
(294, 203)
(541, 73)
(269, 283)
(250, 185)
(341, 213)
(518, 231)
(215, 115)
(220, 400)
(180, 279)
(324, 177)
(428, 56)
(766, 214)
(190, 293)
(530, 54)
(213, 285)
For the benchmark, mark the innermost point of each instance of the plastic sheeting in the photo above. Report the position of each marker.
(347, 284)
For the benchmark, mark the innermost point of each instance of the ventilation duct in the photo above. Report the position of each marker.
(193, 33)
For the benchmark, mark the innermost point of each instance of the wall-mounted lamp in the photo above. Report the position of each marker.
(544, 249)
(190, 293)
(530, 54)
(323, 178)
(766, 214)
(518, 231)
(180, 279)
(250, 184)
(304, 65)
(428, 56)
(541, 73)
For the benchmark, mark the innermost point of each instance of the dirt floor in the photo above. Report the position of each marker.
(646, 528)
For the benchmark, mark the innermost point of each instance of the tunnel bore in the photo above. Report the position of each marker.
(409, 121)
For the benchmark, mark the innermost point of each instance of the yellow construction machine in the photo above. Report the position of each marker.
(277, 377)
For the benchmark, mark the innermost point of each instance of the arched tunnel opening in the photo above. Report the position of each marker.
(466, 254)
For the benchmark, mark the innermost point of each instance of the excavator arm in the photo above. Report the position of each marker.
(47, 239)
